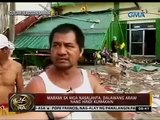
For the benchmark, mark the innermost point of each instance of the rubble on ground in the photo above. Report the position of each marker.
(29, 72)
(145, 77)
(145, 80)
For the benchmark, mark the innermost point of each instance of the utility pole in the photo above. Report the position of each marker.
(6, 16)
(3, 19)
(12, 23)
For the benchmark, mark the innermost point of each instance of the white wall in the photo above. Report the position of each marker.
(92, 6)
(151, 11)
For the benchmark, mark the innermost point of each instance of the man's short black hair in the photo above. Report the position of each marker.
(65, 28)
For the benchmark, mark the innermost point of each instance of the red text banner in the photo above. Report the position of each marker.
(79, 102)
(92, 99)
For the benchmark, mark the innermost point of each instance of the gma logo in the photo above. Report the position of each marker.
(136, 14)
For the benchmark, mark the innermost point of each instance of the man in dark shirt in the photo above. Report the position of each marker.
(114, 47)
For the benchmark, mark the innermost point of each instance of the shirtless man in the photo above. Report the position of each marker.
(67, 43)
(10, 75)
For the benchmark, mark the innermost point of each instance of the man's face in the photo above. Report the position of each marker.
(65, 51)
(4, 52)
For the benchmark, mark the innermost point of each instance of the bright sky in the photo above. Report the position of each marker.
(30, 5)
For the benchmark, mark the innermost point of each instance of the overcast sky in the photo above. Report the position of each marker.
(30, 5)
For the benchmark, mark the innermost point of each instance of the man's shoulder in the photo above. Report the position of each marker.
(41, 73)
(36, 85)
(16, 64)
(89, 73)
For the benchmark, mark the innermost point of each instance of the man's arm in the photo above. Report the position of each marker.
(19, 79)
(35, 85)
(97, 88)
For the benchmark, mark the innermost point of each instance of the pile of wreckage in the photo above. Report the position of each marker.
(131, 77)
(29, 72)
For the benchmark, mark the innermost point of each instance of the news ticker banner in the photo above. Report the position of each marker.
(80, 102)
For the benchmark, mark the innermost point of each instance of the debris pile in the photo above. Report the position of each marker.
(135, 76)
(29, 72)
(138, 78)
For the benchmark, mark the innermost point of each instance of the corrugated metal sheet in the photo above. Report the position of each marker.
(24, 24)
(36, 37)
(93, 41)
(78, 19)
(32, 42)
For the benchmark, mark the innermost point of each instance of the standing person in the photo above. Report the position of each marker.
(104, 55)
(10, 75)
(67, 43)
(108, 55)
(114, 47)
(95, 58)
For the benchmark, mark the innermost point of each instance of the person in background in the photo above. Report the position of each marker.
(95, 57)
(105, 55)
(11, 80)
(114, 47)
